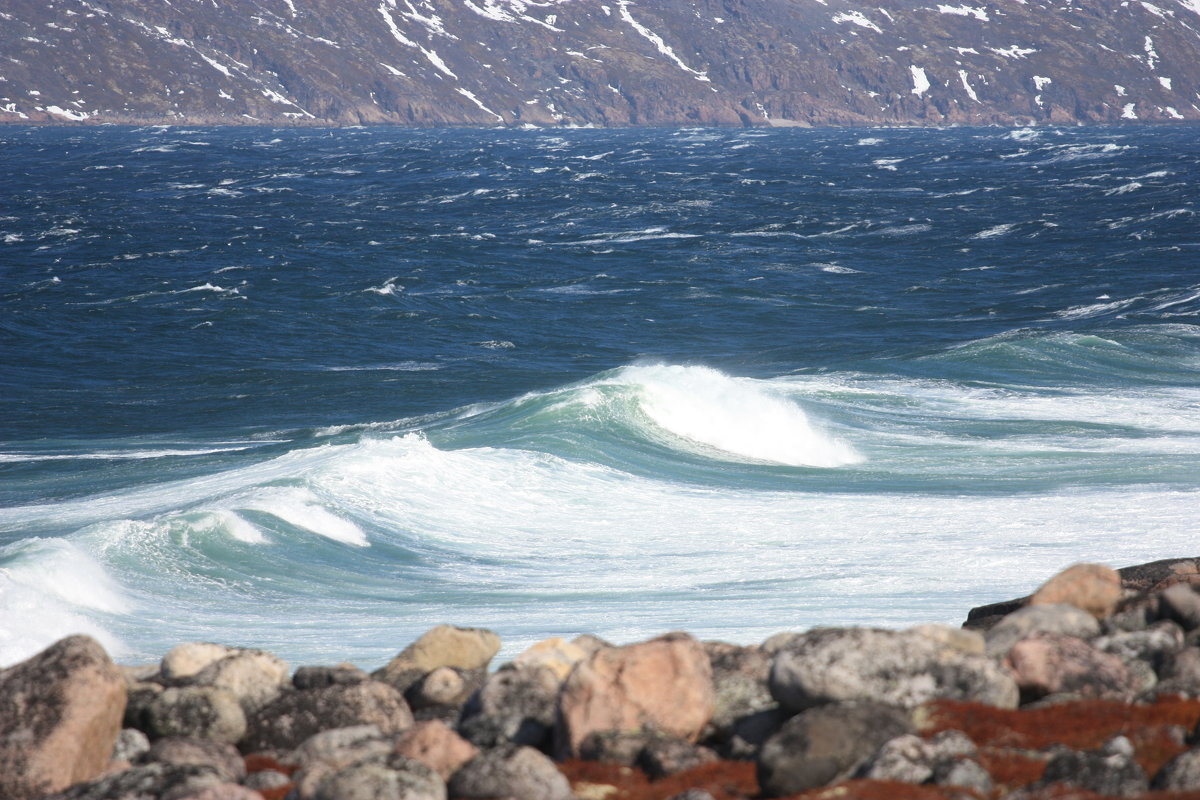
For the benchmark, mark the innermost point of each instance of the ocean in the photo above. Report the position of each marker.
(317, 391)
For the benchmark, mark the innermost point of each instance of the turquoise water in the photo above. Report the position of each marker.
(317, 391)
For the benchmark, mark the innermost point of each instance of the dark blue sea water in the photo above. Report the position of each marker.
(317, 391)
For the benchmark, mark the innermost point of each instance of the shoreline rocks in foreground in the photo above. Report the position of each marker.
(1089, 687)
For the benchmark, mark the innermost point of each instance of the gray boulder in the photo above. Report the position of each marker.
(1180, 774)
(826, 744)
(397, 778)
(255, 677)
(891, 667)
(224, 759)
(912, 759)
(516, 704)
(296, 715)
(740, 687)
(60, 714)
(196, 712)
(1181, 603)
(1110, 771)
(154, 781)
(131, 743)
(1051, 618)
(510, 771)
(1181, 674)
(342, 747)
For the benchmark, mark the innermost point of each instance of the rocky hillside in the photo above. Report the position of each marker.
(598, 62)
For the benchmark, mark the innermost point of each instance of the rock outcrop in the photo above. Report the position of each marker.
(600, 63)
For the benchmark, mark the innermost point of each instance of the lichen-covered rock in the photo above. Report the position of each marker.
(1154, 645)
(196, 712)
(60, 714)
(510, 771)
(443, 687)
(739, 685)
(153, 781)
(255, 677)
(897, 668)
(1110, 771)
(1180, 674)
(665, 683)
(341, 747)
(224, 759)
(130, 744)
(397, 778)
(443, 646)
(223, 791)
(296, 715)
(1055, 618)
(968, 641)
(1094, 588)
(1180, 774)
(911, 759)
(516, 704)
(1050, 663)
(826, 744)
(965, 773)
(436, 746)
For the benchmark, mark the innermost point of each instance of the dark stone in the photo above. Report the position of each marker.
(1181, 603)
(323, 677)
(662, 756)
(752, 731)
(826, 744)
(294, 716)
(1180, 774)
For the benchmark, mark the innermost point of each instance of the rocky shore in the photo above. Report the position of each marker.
(1088, 688)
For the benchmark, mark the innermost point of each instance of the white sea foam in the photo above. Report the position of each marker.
(742, 418)
(302, 509)
(47, 589)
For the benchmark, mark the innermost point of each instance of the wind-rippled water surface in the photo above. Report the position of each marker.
(318, 391)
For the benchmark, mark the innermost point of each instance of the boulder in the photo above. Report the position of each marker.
(397, 778)
(663, 756)
(266, 779)
(1050, 663)
(322, 677)
(1180, 774)
(443, 646)
(138, 699)
(186, 660)
(1155, 645)
(341, 747)
(1180, 674)
(965, 773)
(555, 654)
(1181, 603)
(255, 677)
(911, 759)
(130, 744)
(224, 759)
(665, 683)
(1093, 588)
(196, 712)
(1056, 618)
(444, 686)
(436, 746)
(1110, 771)
(968, 641)
(897, 668)
(739, 685)
(510, 771)
(516, 704)
(826, 744)
(153, 781)
(223, 791)
(616, 747)
(60, 715)
(294, 716)
(750, 732)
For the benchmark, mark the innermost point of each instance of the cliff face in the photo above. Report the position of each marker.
(598, 62)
